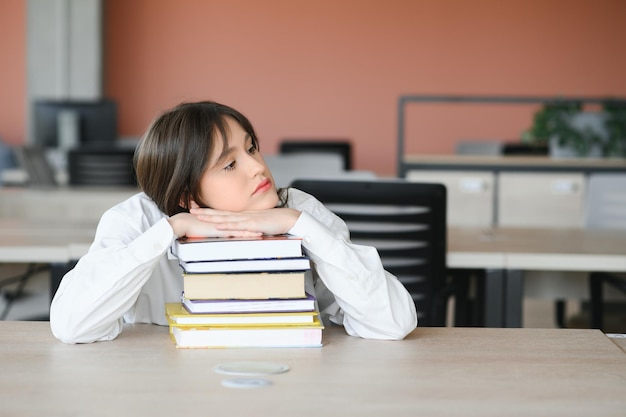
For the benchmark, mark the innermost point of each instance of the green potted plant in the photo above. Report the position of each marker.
(570, 131)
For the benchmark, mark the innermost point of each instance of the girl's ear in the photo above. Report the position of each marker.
(186, 200)
(183, 204)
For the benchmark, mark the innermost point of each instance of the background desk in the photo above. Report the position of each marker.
(53, 225)
(57, 243)
(434, 372)
(59, 203)
(23, 240)
(485, 191)
(515, 250)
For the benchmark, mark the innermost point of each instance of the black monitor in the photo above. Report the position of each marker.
(95, 122)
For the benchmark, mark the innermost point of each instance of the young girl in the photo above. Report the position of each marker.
(201, 174)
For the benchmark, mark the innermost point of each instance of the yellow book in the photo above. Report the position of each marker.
(178, 315)
(286, 335)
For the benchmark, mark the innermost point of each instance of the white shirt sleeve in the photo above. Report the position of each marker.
(93, 298)
(373, 303)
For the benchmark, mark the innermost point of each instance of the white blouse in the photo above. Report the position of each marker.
(128, 275)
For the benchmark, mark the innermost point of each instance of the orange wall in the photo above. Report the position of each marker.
(335, 68)
(13, 71)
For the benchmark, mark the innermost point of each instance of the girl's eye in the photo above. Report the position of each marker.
(230, 166)
(252, 149)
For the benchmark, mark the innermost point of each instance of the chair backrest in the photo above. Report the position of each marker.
(524, 149)
(406, 223)
(101, 166)
(34, 161)
(605, 206)
(334, 146)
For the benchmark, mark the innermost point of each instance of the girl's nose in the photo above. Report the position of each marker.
(257, 164)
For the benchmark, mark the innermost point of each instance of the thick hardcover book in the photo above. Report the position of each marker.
(302, 335)
(249, 306)
(253, 285)
(213, 249)
(247, 265)
(178, 315)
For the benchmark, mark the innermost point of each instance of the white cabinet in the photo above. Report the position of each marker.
(470, 195)
(541, 199)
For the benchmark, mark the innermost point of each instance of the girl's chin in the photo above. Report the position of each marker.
(268, 201)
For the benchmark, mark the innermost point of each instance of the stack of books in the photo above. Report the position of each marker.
(243, 292)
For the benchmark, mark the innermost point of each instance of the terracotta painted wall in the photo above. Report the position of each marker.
(12, 71)
(335, 68)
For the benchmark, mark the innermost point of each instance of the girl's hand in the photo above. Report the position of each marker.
(186, 224)
(273, 221)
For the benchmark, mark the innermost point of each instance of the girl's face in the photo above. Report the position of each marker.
(237, 178)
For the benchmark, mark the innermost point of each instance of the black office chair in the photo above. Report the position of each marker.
(340, 146)
(101, 166)
(406, 223)
(34, 161)
(523, 149)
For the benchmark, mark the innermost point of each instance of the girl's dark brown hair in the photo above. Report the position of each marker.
(174, 152)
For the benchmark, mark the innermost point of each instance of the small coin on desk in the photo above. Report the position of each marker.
(251, 368)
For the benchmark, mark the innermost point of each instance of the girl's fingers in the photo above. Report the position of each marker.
(226, 233)
(239, 226)
(221, 219)
(239, 233)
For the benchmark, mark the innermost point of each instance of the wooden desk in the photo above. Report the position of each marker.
(563, 249)
(57, 243)
(434, 372)
(471, 248)
(57, 203)
(38, 241)
(53, 225)
(619, 340)
(515, 250)
(499, 163)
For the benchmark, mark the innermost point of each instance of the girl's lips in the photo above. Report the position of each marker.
(263, 186)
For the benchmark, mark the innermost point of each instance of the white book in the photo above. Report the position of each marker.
(274, 305)
(305, 335)
(213, 249)
(247, 265)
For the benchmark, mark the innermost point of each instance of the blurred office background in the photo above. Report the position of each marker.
(323, 69)
(312, 69)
